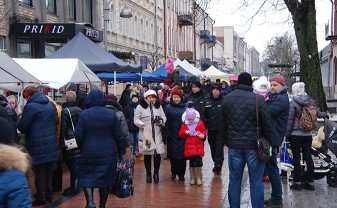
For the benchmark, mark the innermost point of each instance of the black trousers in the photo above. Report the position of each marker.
(216, 143)
(43, 181)
(73, 170)
(195, 161)
(303, 143)
(178, 167)
(57, 176)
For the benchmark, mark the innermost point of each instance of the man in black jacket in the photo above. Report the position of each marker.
(197, 96)
(240, 127)
(213, 118)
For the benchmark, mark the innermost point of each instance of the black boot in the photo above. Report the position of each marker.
(103, 196)
(88, 192)
(147, 163)
(157, 160)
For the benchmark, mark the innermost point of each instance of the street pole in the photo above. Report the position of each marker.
(156, 34)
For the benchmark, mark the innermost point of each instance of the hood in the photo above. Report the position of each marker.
(212, 97)
(302, 99)
(113, 104)
(38, 97)
(13, 158)
(94, 98)
(196, 120)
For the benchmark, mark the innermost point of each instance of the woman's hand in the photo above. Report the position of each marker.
(142, 127)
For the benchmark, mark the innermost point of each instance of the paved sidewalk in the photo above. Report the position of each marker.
(213, 193)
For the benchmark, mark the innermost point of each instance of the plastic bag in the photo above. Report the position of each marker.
(148, 143)
(286, 157)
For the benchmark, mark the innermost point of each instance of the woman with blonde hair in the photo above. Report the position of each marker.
(14, 104)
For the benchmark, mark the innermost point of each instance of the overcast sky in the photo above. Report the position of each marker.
(264, 26)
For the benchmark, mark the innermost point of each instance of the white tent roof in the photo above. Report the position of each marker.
(188, 67)
(58, 72)
(214, 74)
(11, 72)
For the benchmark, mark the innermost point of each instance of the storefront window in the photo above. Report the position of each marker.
(72, 9)
(29, 2)
(51, 6)
(25, 50)
(2, 43)
(50, 49)
(87, 11)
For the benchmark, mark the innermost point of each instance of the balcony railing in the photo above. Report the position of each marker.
(205, 63)
(205, 35)
(211, 41)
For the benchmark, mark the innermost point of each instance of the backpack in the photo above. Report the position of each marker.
(123, 186)
(308, 120)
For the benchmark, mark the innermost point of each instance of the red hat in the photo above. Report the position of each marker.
(168, 82)
(280, 79)
(178, 92)
(111, 97)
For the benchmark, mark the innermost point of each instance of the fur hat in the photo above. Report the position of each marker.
(216, 86)
(245, 79)
(298, 88)
(150, 92)
(317, 140)
(280, 79)
(178, 92)
(190, 114)
(261, 81)
(3, 101)
(169, 66)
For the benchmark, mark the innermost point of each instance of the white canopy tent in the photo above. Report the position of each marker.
(188, 68)
(56, 73)
(214, 74)
(12, 76)
(202, 74)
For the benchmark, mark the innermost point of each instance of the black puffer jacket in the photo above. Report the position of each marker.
(67, 131)
(212, 113)
(239, 110)
(175, 145)
(129, 113)
(198, 100)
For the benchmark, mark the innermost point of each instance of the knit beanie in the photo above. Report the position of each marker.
(216, 86)
(111, 97)
(196, 84)
(298, 88)
(134, 94)
(178, 92)
(245, 79)
(280, 79)
(169, 66)
(150, 92)
(190, 114)
(168, 82)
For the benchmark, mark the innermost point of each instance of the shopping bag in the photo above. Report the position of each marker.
(286, 157)
(148, 142)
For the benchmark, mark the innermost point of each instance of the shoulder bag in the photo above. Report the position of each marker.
(263, 146)
(70, 143)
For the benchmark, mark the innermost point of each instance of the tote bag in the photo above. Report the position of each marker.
(148, 142)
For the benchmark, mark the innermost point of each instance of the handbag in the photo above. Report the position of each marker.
(263, 146)
(286, 157)
(148, 142)
(70, 143)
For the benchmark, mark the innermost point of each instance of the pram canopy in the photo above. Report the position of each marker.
(330, 141)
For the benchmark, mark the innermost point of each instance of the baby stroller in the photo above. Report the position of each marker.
(325, 165)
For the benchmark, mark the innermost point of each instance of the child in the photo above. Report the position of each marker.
(172, 74)
(14, 104)
(261, 86)
(194, 131)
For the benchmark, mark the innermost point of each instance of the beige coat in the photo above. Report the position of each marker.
(143, 117)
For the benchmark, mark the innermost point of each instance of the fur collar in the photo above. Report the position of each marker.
(144, 104)
(13, 158)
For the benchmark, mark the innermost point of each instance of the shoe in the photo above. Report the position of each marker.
(296, 186)
(181, 178)
(309, 186)
(155, 178)
(166, 157)
(270, 203)
(265, 179)
(148, 178)
(283, 174)
(141, 157)
(70, 192)
(217, 168)
(49, 199)
(173, 176)
(38, 203)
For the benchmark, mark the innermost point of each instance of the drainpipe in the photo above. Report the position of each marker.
(194, 38)
(215, 42)
(165, 38)
(331, 50)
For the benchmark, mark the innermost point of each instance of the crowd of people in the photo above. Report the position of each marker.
(90, 134)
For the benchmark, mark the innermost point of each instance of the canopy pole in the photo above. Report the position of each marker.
(141, 78)
(115, 80)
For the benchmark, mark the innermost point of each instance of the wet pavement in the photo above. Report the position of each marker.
(213, 192)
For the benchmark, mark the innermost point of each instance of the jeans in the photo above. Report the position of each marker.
(134, 138)
(303, 143)
(237, 159)
(273, 173)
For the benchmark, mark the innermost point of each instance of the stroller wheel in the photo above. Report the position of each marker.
(332, 178)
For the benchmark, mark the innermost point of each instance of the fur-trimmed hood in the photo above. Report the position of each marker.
(196, 120)
(13, 158)
(145, 104)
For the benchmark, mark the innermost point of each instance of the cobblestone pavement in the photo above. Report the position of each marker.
(213, 193)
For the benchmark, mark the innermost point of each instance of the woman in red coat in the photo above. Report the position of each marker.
(194, 131)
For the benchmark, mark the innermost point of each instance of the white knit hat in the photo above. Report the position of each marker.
(150, 92)
(298, 88)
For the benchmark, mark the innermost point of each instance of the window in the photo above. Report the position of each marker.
(49, 49)
(113, 19)
(136, 28)
(25, 50)
(51, 6)
(87, 11)
(2, 43)
(29, 2)
(72, 9)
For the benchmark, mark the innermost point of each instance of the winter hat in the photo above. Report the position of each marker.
(168, 82)
(178, 92)
(111, 97)
(150, 92)
(245, 79)
(3, 101)
(134, 94)
(216, 86)
(280, 79)
(190, 114)
(169, 66)
(261, 81)
(196, 84)
(298, 88)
